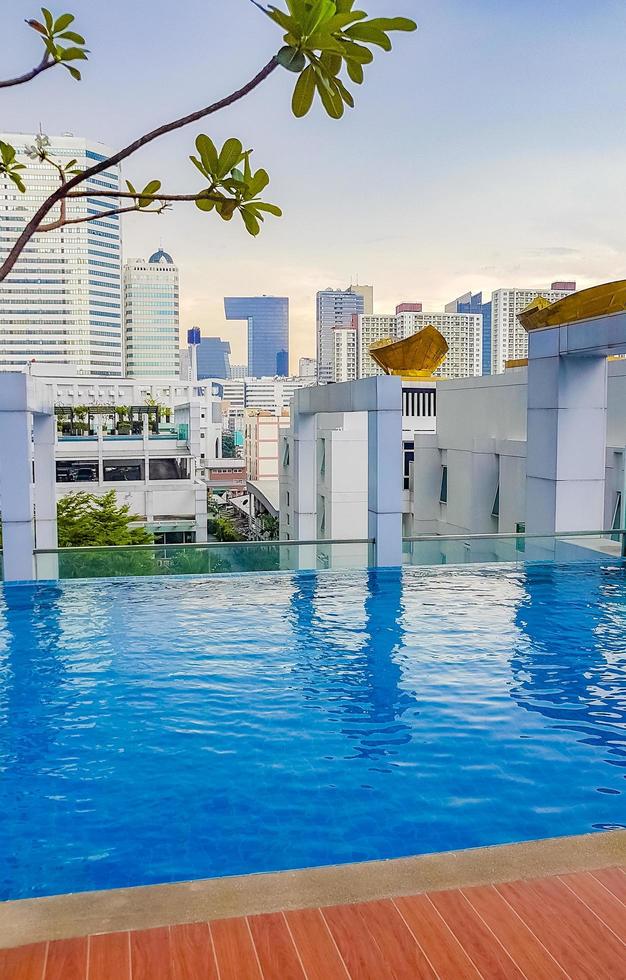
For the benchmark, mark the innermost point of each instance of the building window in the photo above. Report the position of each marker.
(123, 470)
(286, 455)
(443, 493)
(495, 510)
(322, 457)
(409, 457)
(617, 522)
(169, 469)
(78, 471)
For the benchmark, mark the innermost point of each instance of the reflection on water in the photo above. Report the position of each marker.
(348, 664)
(570, 665)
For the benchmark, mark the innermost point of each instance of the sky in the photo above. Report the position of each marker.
(486, 150)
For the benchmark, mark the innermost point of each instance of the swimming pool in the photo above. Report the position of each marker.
(162, 731)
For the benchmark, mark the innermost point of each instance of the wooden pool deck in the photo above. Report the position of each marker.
(566, 925)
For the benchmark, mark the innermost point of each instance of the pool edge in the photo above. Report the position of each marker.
(147, 906)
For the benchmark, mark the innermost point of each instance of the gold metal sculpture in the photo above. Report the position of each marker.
(598, 301)
(418, 356)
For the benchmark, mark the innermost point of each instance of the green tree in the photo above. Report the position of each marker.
(327, 43)
(88, 521)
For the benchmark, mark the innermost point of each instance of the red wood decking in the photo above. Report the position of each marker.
(572, 926)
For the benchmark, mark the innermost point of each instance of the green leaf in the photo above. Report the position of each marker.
(251, 222)
(393, 24)
(8, 153)
(72, 36)
(331, 61)
(62, 22)
(19, 183)
(72, 54)
(230, 156)
(270, 208)
(208, 153)
(49, 19)
(345, 94)
(226, 208)
(356, 52)
(74, 72)
(203, 204)
(145, 198)
(282, 19)
(355, 72)
(369, 34)
(130, 187)
(291, 58)
(331, 98)
(258, 183)
(198, 163)
(304, 93)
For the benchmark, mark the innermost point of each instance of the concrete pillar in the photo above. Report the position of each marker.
(18, 532)
(44, 433)
(384, 502)
(304, 465)
(566, 447)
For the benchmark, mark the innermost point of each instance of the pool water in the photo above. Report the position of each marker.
(163, 731)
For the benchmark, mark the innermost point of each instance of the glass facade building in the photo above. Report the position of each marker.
(213, 358)
(268, 332)
(151, 317)
(62, 304)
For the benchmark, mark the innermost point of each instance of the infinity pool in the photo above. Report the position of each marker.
(162, 731)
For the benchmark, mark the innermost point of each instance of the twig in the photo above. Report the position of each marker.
(43, 65)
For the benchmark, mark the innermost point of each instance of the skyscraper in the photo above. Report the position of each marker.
(335, 308)
(473, 303)
(213, 358)
(62, 303)
(268, 332)
(509, 341)
(151, 316)
(307, 367)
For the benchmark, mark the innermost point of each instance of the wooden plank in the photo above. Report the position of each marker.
(150, 954)
(395, 940)
(447, 956)
(478, 941)
(316, 947)
(576, 938)
(356, 944)
(24, 962)
(192, 952)
(67, 959)
(275, 948)
(529, 953)
(602, 902)
(615, 880)
(234, 950)
(109, 956)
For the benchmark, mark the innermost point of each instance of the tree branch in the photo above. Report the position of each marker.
(43, 65)
(53, 225)
(31, 228)
(200, 196)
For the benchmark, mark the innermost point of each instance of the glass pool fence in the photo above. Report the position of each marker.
(221, 558)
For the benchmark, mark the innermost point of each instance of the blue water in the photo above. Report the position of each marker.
(162, 731)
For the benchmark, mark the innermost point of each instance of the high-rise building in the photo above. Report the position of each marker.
(307, 367)
(213, 358)
(473, 303)
(152, 317)
(509, 341)
(238, 371)
(62, 302)
(463, 332)
(268, 332)
(346, 352)
(335, 308)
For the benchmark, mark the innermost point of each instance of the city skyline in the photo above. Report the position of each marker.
(473, 150)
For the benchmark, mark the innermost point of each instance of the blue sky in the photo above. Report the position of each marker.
(488, 149)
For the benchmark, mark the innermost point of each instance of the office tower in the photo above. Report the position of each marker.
(62, 302)
(346, 352)
(238, 371)
(268, 332)
(307, 367)
(151, 317)
(509, 341)
(335, 308)
(473, 303)
(213, 358)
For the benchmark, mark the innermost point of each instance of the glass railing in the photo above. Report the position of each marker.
(215, 558)
(462, 549)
